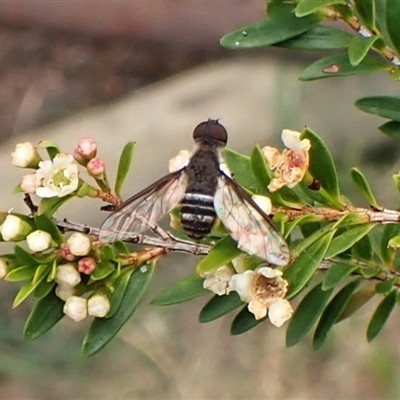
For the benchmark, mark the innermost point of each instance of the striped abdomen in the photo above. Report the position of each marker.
(197, 214)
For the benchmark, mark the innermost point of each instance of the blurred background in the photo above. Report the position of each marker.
(150, 72)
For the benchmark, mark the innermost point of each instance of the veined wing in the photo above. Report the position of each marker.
(253, 230)
(146, 208)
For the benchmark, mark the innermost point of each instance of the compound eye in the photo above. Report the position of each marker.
(210, 129)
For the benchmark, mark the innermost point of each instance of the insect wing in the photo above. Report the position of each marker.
(253, 230)
(146, 208)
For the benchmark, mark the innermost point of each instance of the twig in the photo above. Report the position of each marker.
(172, 244)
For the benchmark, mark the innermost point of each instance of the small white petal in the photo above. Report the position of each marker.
(241, 283)
(279, 312)
(218, 281)
(258, 309)
(269, 272)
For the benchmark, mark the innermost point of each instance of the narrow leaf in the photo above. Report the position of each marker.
(319, 38)
(357, 301)
(28, 288)
(339, 65)
(388, 253)
(332, 313)
(336, 274)
(362, 185)
(43, 289)
(184, 290)
(21, 273)
(391, 128)
(50, 205)
(224, 251)
(359, 47)
(46, 313)
(47, 224)
(219, 306)
(124, 164)
(303, 267)
(24, 256)
(384, 106)
(385, 287)
(50, 146)
(102, 270)
(306, 7)
(392, 24)
(243, 322)
(118, 290)
(102, 330)
(366, 12)
(380, 316)
(363, 249)
(306, 314)
(281, 24)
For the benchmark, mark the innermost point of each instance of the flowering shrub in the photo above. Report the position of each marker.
(340, 255)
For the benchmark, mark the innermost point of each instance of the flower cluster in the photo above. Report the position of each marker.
(263, 289)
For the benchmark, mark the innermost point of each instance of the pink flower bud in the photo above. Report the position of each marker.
(66, 253)
(30, 183)
(87, 265)
(87, 149)
(76, 308)
(96, 167)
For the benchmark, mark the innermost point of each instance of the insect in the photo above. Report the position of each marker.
(203, 192)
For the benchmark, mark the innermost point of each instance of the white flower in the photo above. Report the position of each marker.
(76, 308)
(218, 281)
(98, 305)
(39, 241)
(58, 177)
(14, 229)
(179, 161)
(25, 156)
(79, 244)
(291, 165)
(264, 290)
(64, 292)
(30, 183)
(3, 268)
(67, 275)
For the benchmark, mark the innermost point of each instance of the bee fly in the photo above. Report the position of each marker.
(203, 192)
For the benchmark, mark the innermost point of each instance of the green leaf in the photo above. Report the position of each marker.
(322, 168)
(123, 166)
(47, 224)
(304, 219)
(366, 12)
(307, 312)
(46, 313)
(50, 205)
(391, 128)
(381, 315)
(319, 38)
(359, 47)
(243, 322)
(392, 24)
(43, 289)
(224, 251)
(24, 256)
(50, 146)
(306, 7)
(363, 249)
(219, 306)
(362, 185)
(102, 270)
(241, 168)
(107, 252)
(387, 252)
(356, 302)
(21, 273)
(347, 239)
(28, 288)
(303, 267)
(332, 313)
(336, 274)
(102, 330)
(384, 106)
(339, 65)
(118, 290)
(186, 289)
(385, 287)
(281, 24)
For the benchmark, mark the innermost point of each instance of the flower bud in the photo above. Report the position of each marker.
(25, 156)
(96, 167)
(66, 252)
(79, 244)
(64, 292)
(86, 150)
(30, 183)
(67, 275)
(14, 229)
(3, 268)
(98, 305)
(76, 308)
(87, 265)
(39, 241)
